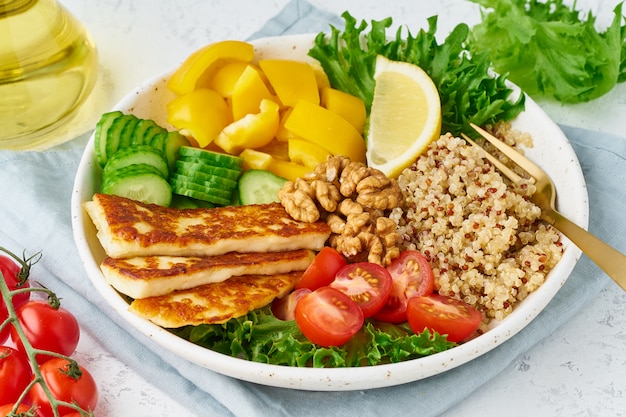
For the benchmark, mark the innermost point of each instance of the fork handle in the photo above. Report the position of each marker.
(606, 257)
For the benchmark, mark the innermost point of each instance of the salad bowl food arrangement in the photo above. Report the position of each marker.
(149, 101)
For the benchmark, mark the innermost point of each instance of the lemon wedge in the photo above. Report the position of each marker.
(405, 116)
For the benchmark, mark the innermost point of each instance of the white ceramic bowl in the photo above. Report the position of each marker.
(551, 150)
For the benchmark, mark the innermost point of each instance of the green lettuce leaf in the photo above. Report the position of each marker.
(469, 92)
(548, 50)
(259, 336)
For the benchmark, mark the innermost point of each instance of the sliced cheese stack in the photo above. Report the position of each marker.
(176, 263)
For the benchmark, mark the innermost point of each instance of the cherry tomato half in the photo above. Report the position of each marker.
(73, 384)
(15, 374)
(285, 308)
(328, 317)
(443, 314)
(412, 276)
(10, 270)
(366, 283)
(47, 328)
(322, 270)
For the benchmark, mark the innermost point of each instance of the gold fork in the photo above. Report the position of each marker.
(609, 259)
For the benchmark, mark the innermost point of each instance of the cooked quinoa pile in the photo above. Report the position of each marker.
(480, 233)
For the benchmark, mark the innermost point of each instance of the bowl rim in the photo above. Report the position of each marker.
(325, 379)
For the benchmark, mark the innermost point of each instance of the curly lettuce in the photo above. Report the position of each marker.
(260, 337)
(469, 91)
(549, 50)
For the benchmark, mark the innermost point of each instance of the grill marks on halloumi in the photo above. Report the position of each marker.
(150, 276)
(193, 266)
(127, 228)
(214, 303)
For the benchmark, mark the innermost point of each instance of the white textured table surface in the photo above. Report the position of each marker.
(579, 371)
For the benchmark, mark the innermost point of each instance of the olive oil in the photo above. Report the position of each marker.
(48, 67)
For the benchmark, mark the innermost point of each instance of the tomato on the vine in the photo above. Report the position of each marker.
(5, 409)
(67, 382)
(322, 270)
(4, 331)
(412, 276)
(47, 328)
(443, 314)
(285, 308)
(328, 317)
(11, 270)
(366, 283)
(15, 374)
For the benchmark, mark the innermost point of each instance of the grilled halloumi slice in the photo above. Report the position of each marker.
(127, 228)
(214, 303)
(141, 277)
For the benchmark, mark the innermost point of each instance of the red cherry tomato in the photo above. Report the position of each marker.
(367, 284)
(285, 308)
(328, 317)
(10, 270)
(73, 384)
(15, 374)
(322, 270)
(444, 315)
(47, 328)
(412, 276)
(21, 409)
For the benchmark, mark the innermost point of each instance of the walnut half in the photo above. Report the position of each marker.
(355, 200)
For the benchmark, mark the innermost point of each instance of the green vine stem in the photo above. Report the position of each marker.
(32, 352)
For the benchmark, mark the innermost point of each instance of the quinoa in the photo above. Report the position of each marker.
(481, 234)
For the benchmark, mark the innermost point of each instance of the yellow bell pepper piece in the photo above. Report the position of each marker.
(349, 107)
(307, 153)
(277, 148)
(321, 77)
(248, 92)
(251, 131)
(253, 159)
(226, 77)
(291, 80)
(327, 129)
(201, 114)
(288, 170)
(283, 134)
(199, 67)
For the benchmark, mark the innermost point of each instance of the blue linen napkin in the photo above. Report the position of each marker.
(35, 215)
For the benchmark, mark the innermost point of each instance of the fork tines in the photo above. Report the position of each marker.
(509, 152)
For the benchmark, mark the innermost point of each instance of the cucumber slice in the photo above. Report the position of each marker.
(142, 128)
(179, 182)
(184, 202)
(258, 186)
(217, 159)
(139, 182)
(158, 141)
(114, 134)
(200, 195)
(191, 167)
(127, 135)
(202, 178)
(136, 154)
(173, 143)
(100, 134)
